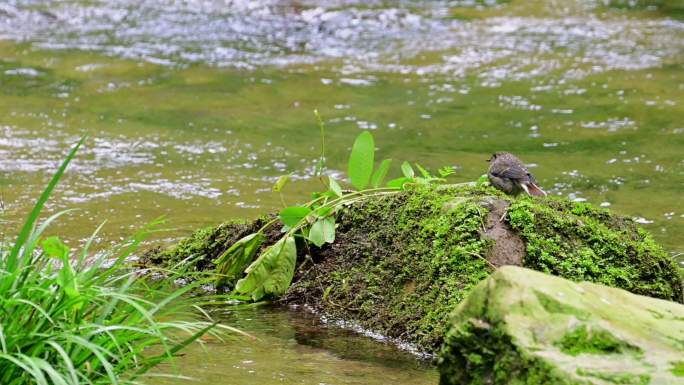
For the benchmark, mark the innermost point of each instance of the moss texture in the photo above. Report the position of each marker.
(199, 250)
(584, 243)
(584, 341)
(508, 332)
(402, 262)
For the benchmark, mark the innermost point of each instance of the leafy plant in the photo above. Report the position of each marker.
(314, 222)
(70, 318)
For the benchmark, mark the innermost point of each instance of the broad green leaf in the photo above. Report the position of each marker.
(324, 211)
(380, 174)
(400, 182)
(281, 182)
(361, 160)
(425, 173)
(67, 281)
(55, 248)
(407, 170)
(233, 261)
(291, 216)
(335, 187)
(322, 231)
(271, 273)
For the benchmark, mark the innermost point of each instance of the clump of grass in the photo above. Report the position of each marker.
(70, 318)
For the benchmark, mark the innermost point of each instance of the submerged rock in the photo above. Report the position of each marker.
(523, 327)
(401, 263)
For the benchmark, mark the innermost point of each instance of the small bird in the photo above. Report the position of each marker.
(509, 174)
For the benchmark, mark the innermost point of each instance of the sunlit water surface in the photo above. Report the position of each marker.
(194, 108)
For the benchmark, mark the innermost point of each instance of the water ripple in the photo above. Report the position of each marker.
(365, 36)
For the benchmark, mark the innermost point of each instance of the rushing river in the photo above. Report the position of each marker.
(194, 108)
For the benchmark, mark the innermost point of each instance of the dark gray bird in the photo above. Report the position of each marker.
(509, 174)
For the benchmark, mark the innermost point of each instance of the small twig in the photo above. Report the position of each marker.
(484, 259)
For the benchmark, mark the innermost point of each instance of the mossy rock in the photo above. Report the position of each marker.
(402, 262)
(520, 326)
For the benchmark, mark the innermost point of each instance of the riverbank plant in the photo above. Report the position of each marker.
(71, 317)
(270, 273)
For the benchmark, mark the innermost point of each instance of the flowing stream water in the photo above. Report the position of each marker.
(195, 107)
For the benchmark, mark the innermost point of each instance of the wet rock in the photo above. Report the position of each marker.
(520, 326)
(401, 263)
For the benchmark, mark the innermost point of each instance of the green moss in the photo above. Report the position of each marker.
(199, 250)
(477, 353)
(584, 243)
(617, 378)
(403, 263)
(552, 305)
(678, 368)
(584, 341)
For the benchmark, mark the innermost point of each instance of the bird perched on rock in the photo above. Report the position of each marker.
(509, 174)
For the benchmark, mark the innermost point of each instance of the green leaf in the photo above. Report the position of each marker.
(335, 187)
(271, 273)
(400, 182)
(54, 248)
(446, 171)
(361, 160)
(322, 231)
(67, 281)
(483, 179)
(324, 211)
(27, 228)
(231, 264)
(66, 278)
(281, 182)
(425, 173)
(407, 170)
(291, 216)
(380, 174)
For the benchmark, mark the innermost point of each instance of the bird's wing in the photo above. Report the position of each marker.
(512, 172)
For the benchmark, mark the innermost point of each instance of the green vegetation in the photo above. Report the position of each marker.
(479, 354)
(402, 262)
(72, 318)
(313, 223)
(581, 340)
(585, 243)
(678, 368)
(399, 259)
(504, 332)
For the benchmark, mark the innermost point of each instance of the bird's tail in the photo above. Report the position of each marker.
(532, 189)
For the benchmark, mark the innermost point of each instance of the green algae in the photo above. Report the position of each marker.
(585, 243)
(617, 378)
(504, 333)
(481, 354)
(582, 340)
(678, 368)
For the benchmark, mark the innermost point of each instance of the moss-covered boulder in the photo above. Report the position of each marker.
(402, 262)
(520, 326)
